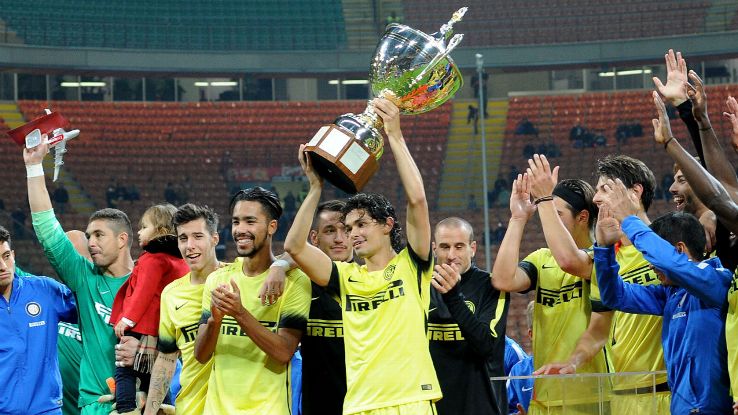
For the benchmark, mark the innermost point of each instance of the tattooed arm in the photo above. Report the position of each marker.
(161, 376)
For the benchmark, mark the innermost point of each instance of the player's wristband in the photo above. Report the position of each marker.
(128, 322)
(34, 170)
(543, 199)
(666, 144)
(280, 263)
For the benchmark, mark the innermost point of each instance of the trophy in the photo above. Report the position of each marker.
(409, 68)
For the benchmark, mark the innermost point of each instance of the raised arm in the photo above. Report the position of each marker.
(675, 92)
(506, 275)
(568, 256)
(418, 219)
(708, 189)
(38, 195)
(732, 115)
(631, 298)
(702, 280)
(58, 248)
(716, 159)
(312, 261)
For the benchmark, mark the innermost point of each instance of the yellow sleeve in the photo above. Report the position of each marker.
(296, 306)
(167, 331)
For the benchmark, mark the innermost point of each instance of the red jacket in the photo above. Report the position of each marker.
(138, 299)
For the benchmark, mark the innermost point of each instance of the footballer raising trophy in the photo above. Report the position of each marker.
(409, 68)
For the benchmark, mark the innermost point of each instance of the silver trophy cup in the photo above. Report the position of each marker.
(410, 68)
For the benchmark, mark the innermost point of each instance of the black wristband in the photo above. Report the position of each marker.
(543, 199)
(668, 141)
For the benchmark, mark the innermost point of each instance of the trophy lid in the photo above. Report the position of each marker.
(414, 69)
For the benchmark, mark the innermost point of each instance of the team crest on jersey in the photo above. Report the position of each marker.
(471, 306)
(389, 272)
(33, 309)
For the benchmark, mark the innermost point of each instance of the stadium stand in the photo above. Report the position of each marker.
(214, 25)
(508, 22)
(150, 144)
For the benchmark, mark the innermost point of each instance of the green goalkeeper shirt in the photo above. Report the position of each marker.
(95, 293)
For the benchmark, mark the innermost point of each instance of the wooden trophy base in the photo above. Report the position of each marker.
(341, 159)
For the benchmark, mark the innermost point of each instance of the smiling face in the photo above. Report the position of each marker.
(7, 268)
(367, 236)
(453, 246)
(330, 236)
(196, 244)
(251, 228)
(682, 194)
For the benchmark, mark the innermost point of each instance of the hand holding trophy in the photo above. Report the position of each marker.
(409, 68)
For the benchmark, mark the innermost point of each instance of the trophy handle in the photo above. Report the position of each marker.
(432, 64)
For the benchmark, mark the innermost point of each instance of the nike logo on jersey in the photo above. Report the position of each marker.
(544, 266)
(350, 280)
(314, 298)
(527, 389)
(177, 307)
(105, 292)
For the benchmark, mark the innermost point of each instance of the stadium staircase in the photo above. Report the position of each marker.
(462, 171)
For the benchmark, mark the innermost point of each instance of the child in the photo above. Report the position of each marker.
(136, 305)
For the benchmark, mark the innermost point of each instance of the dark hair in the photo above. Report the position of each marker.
(456, 222)
(118, 220)
(378, 208)
(631, 172)
(189, 212)
(682, 227)
(5, 236)
(269, 200)
(578, 194)
(328, 206)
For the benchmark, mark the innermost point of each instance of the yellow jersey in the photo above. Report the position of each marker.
(388, 362)
(181, 306)
(731, 333)
(636, 338)
(561, 314)
(244, 379)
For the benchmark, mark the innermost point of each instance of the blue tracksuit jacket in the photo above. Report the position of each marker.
(29, 368)
(513, 354)
(520, 391)
(693, 333)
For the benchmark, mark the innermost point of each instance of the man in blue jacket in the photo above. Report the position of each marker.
(31, 308)
(691, 297)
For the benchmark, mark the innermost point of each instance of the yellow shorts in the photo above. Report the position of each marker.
(645, 404)
(580, 409)
(412, 408)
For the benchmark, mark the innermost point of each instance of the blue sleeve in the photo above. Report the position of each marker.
(513, 354)
(702, 280)
(512, 398)
(65, 304)
(631, 298)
